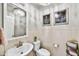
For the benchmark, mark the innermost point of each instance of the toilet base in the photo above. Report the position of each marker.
(42, 52)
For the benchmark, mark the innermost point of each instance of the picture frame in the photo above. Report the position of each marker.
(46, 19)
(61, 17)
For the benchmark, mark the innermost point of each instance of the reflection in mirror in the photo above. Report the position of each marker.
(17, 18)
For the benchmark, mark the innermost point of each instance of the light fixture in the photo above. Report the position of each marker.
(18, 11)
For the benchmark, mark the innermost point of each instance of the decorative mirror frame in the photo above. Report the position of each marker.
(5, 15)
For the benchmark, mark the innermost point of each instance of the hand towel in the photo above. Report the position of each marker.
(3, 40)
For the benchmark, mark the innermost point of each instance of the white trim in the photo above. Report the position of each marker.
(14, 38)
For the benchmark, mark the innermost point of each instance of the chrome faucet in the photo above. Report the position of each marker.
(19, 44)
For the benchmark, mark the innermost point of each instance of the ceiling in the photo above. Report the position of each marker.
(44, 5)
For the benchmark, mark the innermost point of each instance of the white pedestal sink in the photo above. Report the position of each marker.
(23, 50)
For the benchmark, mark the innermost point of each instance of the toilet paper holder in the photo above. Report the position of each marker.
(55, 45)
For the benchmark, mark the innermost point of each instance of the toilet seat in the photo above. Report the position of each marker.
(43, 52)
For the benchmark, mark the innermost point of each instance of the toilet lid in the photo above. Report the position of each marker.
(44, 52)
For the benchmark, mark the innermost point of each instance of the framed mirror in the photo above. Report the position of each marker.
(15, 21)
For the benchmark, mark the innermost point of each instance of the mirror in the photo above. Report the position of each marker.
(15, 22)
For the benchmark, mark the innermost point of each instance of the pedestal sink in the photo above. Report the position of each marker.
(23, 50)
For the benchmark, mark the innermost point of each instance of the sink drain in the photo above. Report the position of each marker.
(21, 52)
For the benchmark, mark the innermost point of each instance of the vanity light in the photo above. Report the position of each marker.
(18, 11)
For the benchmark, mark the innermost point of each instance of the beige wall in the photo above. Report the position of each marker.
(59, 34)
(49, 35)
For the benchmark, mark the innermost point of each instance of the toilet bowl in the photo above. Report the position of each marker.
(42, 51)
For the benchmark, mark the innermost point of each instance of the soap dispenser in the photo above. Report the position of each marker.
(35, 38)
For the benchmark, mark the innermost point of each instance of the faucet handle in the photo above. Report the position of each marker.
(16, 45)
(20, 43)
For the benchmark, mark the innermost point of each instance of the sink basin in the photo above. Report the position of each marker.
(23, 50)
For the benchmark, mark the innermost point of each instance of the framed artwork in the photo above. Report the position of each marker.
(46, 19)
(61, 17)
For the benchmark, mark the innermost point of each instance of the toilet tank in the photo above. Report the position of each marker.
(36, 45)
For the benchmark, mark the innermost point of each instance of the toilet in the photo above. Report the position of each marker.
(42, 51)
